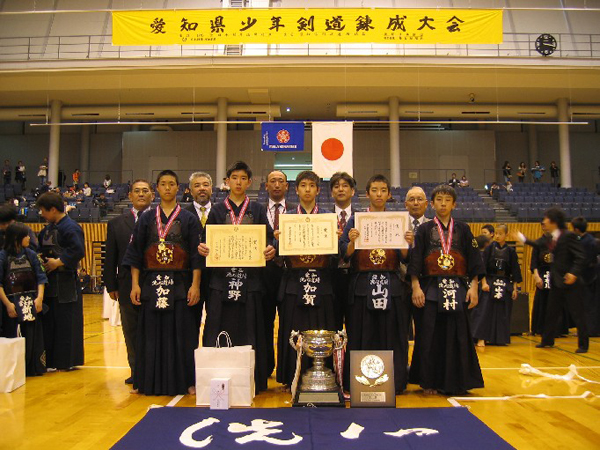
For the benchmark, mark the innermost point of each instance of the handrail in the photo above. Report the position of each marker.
(78, 47)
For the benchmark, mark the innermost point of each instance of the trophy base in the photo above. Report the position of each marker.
(323, 399)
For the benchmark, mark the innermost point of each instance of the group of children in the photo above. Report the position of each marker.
(435, 283)
(439, 284)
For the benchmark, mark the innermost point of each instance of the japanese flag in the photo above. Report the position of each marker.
(331, 148)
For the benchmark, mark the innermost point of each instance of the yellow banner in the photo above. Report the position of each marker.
(301, 26)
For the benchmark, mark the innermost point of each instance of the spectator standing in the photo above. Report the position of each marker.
(76, 176)
(20, 174)
(43, 172)
(554, 174)
(537, 171)
(521, 172)
(506, 171)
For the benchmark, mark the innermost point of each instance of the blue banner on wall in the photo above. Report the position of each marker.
(282, 136)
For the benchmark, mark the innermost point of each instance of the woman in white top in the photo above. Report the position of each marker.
(107, 181)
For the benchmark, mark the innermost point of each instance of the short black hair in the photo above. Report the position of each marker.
(557, 216)
(141, 180)
(490, 228)
(307, 175)
(580, 224)
(14, 234)
(378, 177)
(341, 176)
(445, 189)
(482, 241)
(167, 173)
(8, 213)
(50, 200)
(277, 170)
(239, 165)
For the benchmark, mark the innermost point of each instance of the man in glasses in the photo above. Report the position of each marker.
(118, 278)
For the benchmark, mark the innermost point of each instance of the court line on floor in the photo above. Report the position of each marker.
(175, 400)
(454, 401)
(558, 367)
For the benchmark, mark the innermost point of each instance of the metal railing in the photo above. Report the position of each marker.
(91, 47)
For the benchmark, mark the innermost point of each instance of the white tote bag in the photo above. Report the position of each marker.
(12, 363)
(235, 363)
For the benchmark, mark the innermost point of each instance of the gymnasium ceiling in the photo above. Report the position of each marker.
(311, 89)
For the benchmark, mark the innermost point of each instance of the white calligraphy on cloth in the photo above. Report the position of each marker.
(449, 289)
(162, 301)
(499, 288)
(546, 279)
(380, 292)
(26, 304)
(310, 284)
(237, 277)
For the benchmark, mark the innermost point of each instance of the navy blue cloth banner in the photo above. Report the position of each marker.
(282, 136)
(311, 428)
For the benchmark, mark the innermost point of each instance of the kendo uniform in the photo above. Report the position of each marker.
(63, 323)
(491, 316)
(118, 278)
(568, 257)
(20, 276)
(377, 311)
(588, 277)
(272, 275)
(541, 259)
(444, 356)
(166, 331)
(235, 302)
(205, 281)
(306, 301)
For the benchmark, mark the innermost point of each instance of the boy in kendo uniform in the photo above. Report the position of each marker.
(443, 261)
(491, 317)
(306, 293)
(377, 312)
(62, 248)
(235, 302)
(165, 281)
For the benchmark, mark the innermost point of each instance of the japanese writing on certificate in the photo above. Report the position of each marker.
(236, 245)
(308, 234)
(382, 229)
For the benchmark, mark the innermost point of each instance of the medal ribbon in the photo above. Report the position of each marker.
(446, 243)
(315, 210)
(237, 220)
(162, 233)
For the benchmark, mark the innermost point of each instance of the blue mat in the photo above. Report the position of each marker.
(310, 428)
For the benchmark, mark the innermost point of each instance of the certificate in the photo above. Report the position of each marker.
(381, 229)
(308, 234)
(236, 245)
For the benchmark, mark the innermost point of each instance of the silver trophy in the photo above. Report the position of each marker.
(318, 386)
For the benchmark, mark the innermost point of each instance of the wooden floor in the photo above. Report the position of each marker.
(91, 408)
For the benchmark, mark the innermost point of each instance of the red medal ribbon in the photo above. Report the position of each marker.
(237, 220)
(446, 243)
(162, 233)
(315, 210)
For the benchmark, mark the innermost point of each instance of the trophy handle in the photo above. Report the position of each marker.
(294, 338)
(341, 339)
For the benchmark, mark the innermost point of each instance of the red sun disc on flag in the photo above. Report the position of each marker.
(283, 136)
(332, 149)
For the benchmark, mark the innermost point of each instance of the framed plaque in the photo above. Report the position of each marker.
(372, 379)
(236, 245)
(381, 229)
(308, 234)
